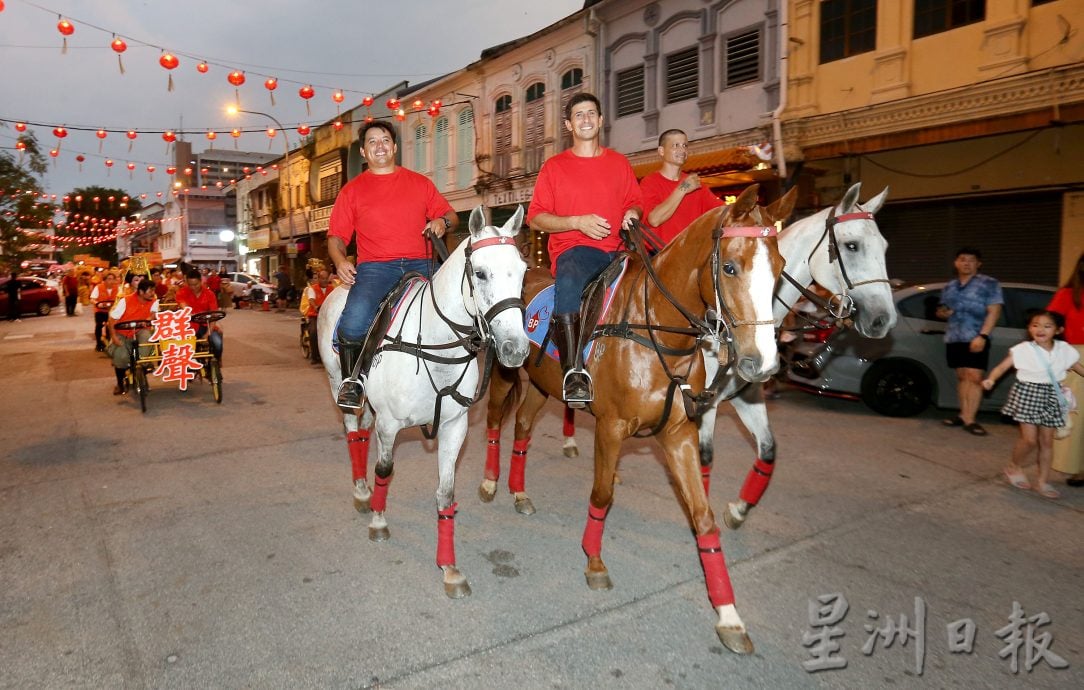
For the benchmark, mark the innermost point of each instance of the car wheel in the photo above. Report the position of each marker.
(896, 388)
(44, 309)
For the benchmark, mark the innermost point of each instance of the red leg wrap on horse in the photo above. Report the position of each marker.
(756, 482)
(720, 593)
(493, 454)
(518, 468)
(357, 442)
(592, 533)
(570, 422)
(446, 535)
(705, 475)
(380, 494)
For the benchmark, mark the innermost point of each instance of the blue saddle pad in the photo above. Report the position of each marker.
(540, 310)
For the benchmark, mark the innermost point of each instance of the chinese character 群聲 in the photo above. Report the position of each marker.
(178, 364)
(173, 325)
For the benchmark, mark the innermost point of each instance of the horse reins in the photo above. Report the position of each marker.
(474, 338)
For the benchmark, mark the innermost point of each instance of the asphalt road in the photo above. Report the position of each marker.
(202, 545)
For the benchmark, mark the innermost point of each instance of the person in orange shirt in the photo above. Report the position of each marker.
(311, 301)
(104, 293)
(199, 298)
(140, 306)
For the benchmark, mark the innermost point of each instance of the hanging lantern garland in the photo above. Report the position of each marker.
(119, 46)
(236, 78)
(66, 29)
(170, 62)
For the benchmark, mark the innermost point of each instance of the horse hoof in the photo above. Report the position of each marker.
(598, 581)
(486, 494)
(457, 590)
(571, 451)
(362, 504)
(617, 478)
(731, 519)
(524, 506)
(379, 534)
(734, 639)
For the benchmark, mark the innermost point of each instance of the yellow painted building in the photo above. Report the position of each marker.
(972, 112)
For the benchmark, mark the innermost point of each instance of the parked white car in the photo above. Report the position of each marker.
(901, 374)
(250, 287)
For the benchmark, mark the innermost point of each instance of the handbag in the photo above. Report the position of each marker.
(1066, 399)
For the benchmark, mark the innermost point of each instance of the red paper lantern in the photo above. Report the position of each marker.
(80, 158)
(169, 61)
(54, 152)
(437, 102)
(271, 84)
(367, 101)
(101, 134)
(108, 164)
(337, 125)
(307, 92)
(118, 45)
(20, 126)
(60, 132)
(151, 169)
(131, 134)
(235, 133)
(400, 114)
(393, 104)
(188, 172)
(338, 96)
(236, 78)
(65, 27)
(433, 110)
(271, 132)
(212, 135)
(202, 68)
(169, 136)
(418, 104)
(246, 170)
(368, 119)
(171, 170)
(303, 130)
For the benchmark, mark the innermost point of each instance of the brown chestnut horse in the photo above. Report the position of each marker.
(725, 263)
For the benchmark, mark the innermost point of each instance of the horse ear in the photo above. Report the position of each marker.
(745, 202)
(477, 220)
(874, 205)
(513, 225)
(850, 198)
(781, 208)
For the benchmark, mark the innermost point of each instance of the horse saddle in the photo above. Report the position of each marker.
(597, 297)
(389, 307)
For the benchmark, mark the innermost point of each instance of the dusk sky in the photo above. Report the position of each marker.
(359, 46)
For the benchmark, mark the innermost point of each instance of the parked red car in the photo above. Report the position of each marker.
(35, 296)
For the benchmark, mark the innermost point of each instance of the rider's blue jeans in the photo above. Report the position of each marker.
(576, 268)
(374, 280)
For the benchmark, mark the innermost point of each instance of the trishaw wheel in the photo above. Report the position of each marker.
(141, 387)
(214, 373)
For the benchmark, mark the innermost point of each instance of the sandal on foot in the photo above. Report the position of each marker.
(1047, 491)
(954, 421)
(1017, 479)
(975, 428)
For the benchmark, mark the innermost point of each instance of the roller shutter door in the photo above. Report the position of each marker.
(1019, 237)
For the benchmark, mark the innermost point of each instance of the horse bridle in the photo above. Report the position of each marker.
(839, 306)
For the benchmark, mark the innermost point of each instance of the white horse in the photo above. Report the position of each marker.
(841, 249)
(429, 374)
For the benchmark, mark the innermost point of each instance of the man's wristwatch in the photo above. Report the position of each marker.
(447, 223)
(983, 336)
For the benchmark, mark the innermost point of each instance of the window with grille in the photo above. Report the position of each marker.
(534, 127)
(630, 91)
(502, 137)
(421, 141)
(464, 148)
(935, 16)
(742, 59)
(330, 180)
(440, 153)
(571, 78)
(848, 27)
(571, 84)
(682, 73)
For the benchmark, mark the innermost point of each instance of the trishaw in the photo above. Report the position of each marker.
(147, 357)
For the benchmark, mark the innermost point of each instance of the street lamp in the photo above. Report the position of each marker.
(233, 110)
(227, 237)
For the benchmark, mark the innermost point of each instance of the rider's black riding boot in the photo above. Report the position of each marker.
(577, 383)
(351, 390)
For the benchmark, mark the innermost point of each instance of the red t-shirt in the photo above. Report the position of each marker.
(1074, 317)
(696, 203)
(204, 301)
(570, 185)
(214, 282)
(388, 214)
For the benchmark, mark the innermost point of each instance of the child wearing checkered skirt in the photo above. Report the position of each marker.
(1035, 400)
